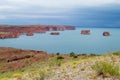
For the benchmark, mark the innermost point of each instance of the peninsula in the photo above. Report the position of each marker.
(14, 31)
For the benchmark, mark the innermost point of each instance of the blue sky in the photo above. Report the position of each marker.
(84, 13)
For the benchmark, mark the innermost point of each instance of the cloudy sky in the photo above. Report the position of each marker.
(85, 13)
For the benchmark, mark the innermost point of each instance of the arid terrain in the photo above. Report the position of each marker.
(18, 64)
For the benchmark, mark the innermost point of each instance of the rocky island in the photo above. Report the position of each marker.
(54, 33)
(85, 32)
(106, 33)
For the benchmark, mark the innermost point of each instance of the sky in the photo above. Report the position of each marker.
(82, 13)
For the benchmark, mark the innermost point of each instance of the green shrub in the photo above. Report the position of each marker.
(82, 69)
(72, 54)
(75, 56)
(106, 69)
(84, 54)
(59, 62)
(116, 53)
(60, 57)
(1, 64)
(2, 71)
(56, 61)
(58, 53)
(92, 54)
(42, 75)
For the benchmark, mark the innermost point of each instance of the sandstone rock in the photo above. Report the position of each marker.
(106, 34)
(85, 32)
(54, 33)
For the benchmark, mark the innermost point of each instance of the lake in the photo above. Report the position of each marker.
(69, 41)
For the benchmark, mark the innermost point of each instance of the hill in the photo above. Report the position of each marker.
(17, 64)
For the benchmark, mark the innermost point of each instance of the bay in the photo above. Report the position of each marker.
(69, 41)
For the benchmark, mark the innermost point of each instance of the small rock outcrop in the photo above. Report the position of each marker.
(106, 34)
(85, 32)
(29, 34)
(54, 33)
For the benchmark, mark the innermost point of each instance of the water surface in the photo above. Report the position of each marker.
(69, 41)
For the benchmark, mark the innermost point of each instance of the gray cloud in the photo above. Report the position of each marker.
(70, 12)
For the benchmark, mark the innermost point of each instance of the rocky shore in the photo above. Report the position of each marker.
(18, 64)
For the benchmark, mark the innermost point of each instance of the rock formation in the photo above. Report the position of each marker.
(54, 33)
(85, 32)
(14, 31)
(106, 33)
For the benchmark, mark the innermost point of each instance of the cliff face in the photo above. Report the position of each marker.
(9, 35)
(10, 31)
(17, 57)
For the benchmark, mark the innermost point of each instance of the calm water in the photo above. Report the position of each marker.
(69, 41)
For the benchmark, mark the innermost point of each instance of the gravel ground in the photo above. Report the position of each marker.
(81, 70)
(76, 70)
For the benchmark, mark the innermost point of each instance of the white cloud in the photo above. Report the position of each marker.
(36, 16)
(3, 17)
(7, 7)
(64, 3)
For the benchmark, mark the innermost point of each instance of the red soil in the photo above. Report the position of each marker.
(16, 58)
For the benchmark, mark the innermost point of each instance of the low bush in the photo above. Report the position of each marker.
(116, 53)
(60, 57)
(2, 71)
(75, 56)
(92, 54)
(58, 53)
(56, 61)
(82, 69)
(106, 69)
(72, 54)
(42, 75)
(83, 54)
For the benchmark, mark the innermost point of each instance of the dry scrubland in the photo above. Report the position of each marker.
(61, 67)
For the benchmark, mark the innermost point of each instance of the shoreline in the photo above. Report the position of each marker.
(27, 64)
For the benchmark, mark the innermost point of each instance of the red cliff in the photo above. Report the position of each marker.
(14, 31)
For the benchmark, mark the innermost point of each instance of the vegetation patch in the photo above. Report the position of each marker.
(106, 69)
(92, 54)
(72, 54)
(60, 57)
(116, 53)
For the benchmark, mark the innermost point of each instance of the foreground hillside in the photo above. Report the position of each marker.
(14, 65)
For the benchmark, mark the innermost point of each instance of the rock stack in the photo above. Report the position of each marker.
(54, 33)
(85, 32)
(106, 33)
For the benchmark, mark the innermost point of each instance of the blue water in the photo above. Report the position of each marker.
(69, 41)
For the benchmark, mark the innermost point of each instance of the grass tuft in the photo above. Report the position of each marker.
(106, 69)
(116, 53)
